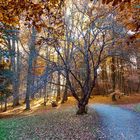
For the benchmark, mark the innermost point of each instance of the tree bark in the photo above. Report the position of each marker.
(82, 106)
(5, 103)
(30, 67)
(15, 67)
(65, 94)
(113, 74)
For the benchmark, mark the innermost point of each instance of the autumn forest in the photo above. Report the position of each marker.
(70, 69)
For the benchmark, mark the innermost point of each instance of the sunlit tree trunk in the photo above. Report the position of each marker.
(5, 103)
(32, 53)
(15, 67)
(58, 82)
(65, 94)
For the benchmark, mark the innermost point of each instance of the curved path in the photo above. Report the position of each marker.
(118, 123)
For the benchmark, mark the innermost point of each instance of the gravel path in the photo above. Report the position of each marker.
(118, 123)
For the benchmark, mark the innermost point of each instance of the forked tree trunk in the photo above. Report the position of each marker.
(82, 108)
(82, 105)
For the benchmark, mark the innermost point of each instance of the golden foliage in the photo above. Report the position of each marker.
(115, 2)
(12, 10)
(129, 12)
(39, 66)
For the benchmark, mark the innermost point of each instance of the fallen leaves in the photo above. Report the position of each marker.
(60, 124)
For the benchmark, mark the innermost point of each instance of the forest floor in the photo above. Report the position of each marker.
(61, 122)
(56, 124)
(129, 102)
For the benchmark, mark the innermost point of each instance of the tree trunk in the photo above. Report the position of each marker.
(82, 109)
(65, 95)
(1, 105)
(58, 82)
(58, 88)
(45, 93)
(5, 103)
(15, 66)
(113, 74)
(32, 54)
(17, 82)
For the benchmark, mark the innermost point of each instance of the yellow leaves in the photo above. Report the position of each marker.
(1, 16)
(108, 60)
(11, 21)
(11, 10)
(54, 1)
(8, 13)
(2, 41)
(32, 12)
(40, 65)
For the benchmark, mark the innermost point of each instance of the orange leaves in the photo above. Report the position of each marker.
(1, 16)
(131, 26)
(11, 10)
(9, 14)
(38, 28)
(30, 11)
(39, 66)
(115, 2)
(53, 2)
(128, 15)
